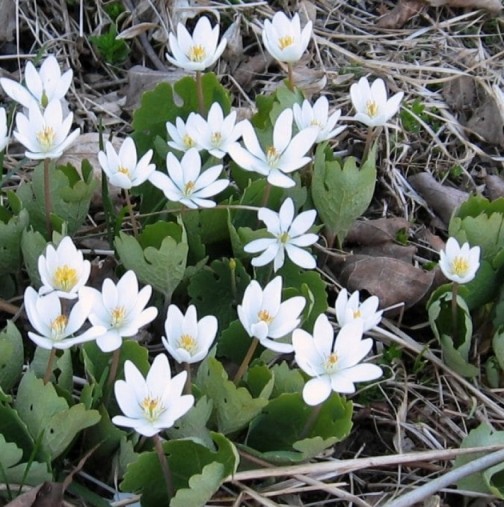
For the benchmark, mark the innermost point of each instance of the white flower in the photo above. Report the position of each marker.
(4, 131)
(318, 116)
(184, 182)
(54, 328)
(216, 133)
(371, 103)
(459, 264)
(334, 366)
(266, 318)
(285, 155)
(187, 339)
(284, 39)
(122, 169)
(349, 309)
(197, 51)
(181, 139)
(45, 134)
(119, 309)
(152, 404)
(63, 269)
(42, 87)
(290, 237)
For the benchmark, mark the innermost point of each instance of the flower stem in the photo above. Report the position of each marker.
(131, 214)
(232, 268)
(199, 93)
(164, 465)
(114, 366)
(290, 77)
(47, 197)
(246, 360)
(371, 136)
(310, 422)
(50, 366)
(188, 383)
(454, 308)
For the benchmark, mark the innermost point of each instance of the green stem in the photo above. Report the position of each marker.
(199, 93)
(131, 214)
(246, 360)
(232, 268)
(290, 77)
(188, 383)
(114, 366)
(164, 465)
(47, 197)
(454, 308)
(310, 422)
(50, 366)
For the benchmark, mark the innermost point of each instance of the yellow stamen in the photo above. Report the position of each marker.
(58, 326)
(216, 138)
(285, 41)
(284, 238)
(272, 156)
(265, 316)
(460, 266)
(46, 138)
(357, 314)
(372, 108)
(188, 343)
(152, 408)
(188, 141)
(188, 188)
(118, 315)
(197, 53)
(315, 123)
(332, 362)
(65, 278)
(123, 170)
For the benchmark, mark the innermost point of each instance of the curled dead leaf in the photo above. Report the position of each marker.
(374, 232)
(136, 30)
(401, 14)
(494, 186)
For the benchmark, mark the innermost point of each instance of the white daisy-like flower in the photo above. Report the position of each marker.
(284, 39)
(54, 328)
(154, 403)
(123, 169)
(284, 156)
(290, 237)
(317, 116)
(63, 269)
(41, 87)
(45, 134)
(372, 106)
(216, 133)
(350, 308)
(197, 51)
(180, 134)
(265, 317)
(459, 263)
(185, 183)
(4, 131)
(335, 365)
(119, 309)
(187, 339)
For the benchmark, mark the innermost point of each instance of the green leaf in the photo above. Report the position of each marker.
(287, 380)
(10, 251)
(234, 407)
(15, 430)
(49, 417)
(187, 459)
(62, 369)
(11, 356)
(498, 346)
(490, 480)
(33, 246)
(260, 380)
(110, 48)
(278, 432)
(13, 472)
(455, 349)
(342, 194)
(234, 342)
(217, 289)
(162, 268)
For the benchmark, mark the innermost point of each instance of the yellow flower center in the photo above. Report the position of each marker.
(123, 170)
(284, 237)
(152, 408)
(216, 138)
(372, 108)
(332, 362)
(46, 137)
(187, 342)
(118, 315)
(460, 266)
(285, 41)
(272, 156)
(197, 53)
(188, 141)
(357, 314)
(58, 326)
(188, 188)
(315, 123)
(265, 316)
(65, 278)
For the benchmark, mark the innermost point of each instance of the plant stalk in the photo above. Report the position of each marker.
(50, 365)
(246, 361)
(47, 197)
(199, 93)
(310, 422)
(188, 382)
(164, 465)
(131, 214)
(454, 308)
(290, 77)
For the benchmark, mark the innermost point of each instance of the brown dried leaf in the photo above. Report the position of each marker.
(8, 17)
(494, 186)
(48, 494)
(443, 200)
(460, 93)
(374, 232)
(392, 250)
(404, 283)
(489, 5)
(487, 122)
(401, 14)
